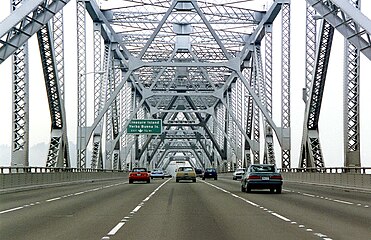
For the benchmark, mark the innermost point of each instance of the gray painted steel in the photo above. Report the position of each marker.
(194, 65)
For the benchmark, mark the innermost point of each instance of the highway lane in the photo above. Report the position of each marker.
(165, 209)
(69, 212)
(335, 212)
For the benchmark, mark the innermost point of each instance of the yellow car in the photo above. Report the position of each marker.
(185, 173)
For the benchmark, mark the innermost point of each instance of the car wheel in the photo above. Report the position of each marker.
(215, 178)
(163, 177)
(203, 178)
(248, 189)
(130, 181)
(234, 178)
(148, 181)
(177, 180)
(271, 190)
(279, 190)
(194, 180)
(243, 189)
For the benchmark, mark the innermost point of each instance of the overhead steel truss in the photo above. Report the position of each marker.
(181, 48)
(197, 65)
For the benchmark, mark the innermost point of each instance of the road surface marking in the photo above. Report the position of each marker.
(53, 199)
(56, 198)
(324, 237)
(11, 210)
(135, 210)
(329, 199)
(115, 229)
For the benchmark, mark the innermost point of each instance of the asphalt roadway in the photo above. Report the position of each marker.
(165, 209)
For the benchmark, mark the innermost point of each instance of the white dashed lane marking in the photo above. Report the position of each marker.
(126, 219)
(58, 198)
(328, 199)
(301, 226)
(11, 210)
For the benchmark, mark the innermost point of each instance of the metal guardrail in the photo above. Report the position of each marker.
(14, 170)
(361, 170)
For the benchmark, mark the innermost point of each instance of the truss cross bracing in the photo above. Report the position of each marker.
(205, 68)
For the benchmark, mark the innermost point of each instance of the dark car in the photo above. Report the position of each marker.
(262, 176)
(199, 172)
(210, 173)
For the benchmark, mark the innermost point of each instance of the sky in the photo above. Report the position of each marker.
(331, 118)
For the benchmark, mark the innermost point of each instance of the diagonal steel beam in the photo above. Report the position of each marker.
(24, 22)
(348, 20)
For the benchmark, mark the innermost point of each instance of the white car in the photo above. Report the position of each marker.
(238, 173)
(157, 173)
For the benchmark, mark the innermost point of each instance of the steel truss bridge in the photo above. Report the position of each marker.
(203, 67)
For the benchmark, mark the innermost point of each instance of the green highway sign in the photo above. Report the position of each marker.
(145, 126)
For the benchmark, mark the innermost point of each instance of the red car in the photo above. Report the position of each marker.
(139, 174)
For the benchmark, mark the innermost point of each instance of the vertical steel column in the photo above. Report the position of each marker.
(285, 97)
(109, 114)
(58, 155)
(240, 117)
(99, 96)
(58, 150)
(58, 37)
(126, 105)
(310, 49)
(232, 125)
(312, 156)
(20, 100)
(81, 84)
(269, 148)
(248, 115)
(220, 113)
(215, 131)
(310, 60)
(256, 110)
(351, 113)
(226, 120)
(116, 120)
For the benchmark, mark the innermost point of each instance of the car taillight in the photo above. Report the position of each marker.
(276, 177)
(254, 177)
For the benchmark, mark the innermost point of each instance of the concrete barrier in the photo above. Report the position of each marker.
(350, 180)
(24, 181)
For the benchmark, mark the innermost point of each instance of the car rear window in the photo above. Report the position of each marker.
(139, 170)
(210, 170)
(260, 168)
(186, 169)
